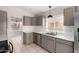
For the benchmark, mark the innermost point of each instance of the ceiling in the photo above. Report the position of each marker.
(35, 9)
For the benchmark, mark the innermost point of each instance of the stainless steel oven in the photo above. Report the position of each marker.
(78, 34)
(6, 46)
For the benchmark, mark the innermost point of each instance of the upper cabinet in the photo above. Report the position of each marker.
(68, 16)
(37, 21)
(40, 20)
(32, 21)
(26, 20)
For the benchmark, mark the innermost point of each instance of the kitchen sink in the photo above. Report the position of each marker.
(52, 33)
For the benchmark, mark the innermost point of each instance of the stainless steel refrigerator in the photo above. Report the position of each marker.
(76, 32)
(5, 45)
(3, 25)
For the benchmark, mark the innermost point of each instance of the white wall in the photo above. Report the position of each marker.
(14, 11)
(59, 11)
(29, 29)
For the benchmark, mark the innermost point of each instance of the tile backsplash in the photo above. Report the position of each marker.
(67, 29)
(33, 28)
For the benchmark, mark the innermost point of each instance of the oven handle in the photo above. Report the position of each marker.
(10, 47)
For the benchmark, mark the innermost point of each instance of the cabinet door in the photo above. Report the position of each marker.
(76, 8)
(68, 16)
(3, 25)
(35, 38)
(33, 21)
(39, 21)
(51, 44)
(38, 39)
(44, 42)
(27, 38)
(26, 20)
(48, 43)
(63, 47)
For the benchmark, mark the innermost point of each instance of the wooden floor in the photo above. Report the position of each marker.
(19, 47)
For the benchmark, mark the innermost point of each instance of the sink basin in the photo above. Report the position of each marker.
(52, 33)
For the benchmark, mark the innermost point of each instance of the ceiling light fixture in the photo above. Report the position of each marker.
(50, 16)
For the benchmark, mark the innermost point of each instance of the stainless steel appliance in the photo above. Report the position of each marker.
(76, 32)
(4, 46)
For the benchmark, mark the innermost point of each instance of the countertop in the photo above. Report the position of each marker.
(63, 36)
(60, 35)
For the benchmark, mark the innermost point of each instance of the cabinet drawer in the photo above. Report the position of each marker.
(65, 42)
(63, 48)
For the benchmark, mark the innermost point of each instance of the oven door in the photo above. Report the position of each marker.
(6, 47)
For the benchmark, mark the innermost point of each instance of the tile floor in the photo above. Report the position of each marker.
(33, 48)
(19, 47)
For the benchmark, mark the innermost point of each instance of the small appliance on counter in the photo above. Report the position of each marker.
(6, 47)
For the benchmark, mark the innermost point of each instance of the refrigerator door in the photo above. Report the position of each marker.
(3, 25)
(76, 32)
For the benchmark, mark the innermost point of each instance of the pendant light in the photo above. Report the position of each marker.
(50, 16)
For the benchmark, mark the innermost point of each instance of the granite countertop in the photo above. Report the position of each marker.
(60, 35)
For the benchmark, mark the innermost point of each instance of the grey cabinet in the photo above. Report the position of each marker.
(48, 43)
(51, 44)
(68, 16)
(37, 21)
(37, 38)
(76, 8)
(27, 38)
(26, 20)
(63, 46)
(44, 42)
(32, 21)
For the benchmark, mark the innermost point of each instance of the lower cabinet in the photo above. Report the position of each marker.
(53, 44)
(37, 38)
(48, 43)
(27, 38)
(63, 46)
(44, 42)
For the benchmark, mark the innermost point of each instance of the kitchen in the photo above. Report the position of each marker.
(31, 31)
